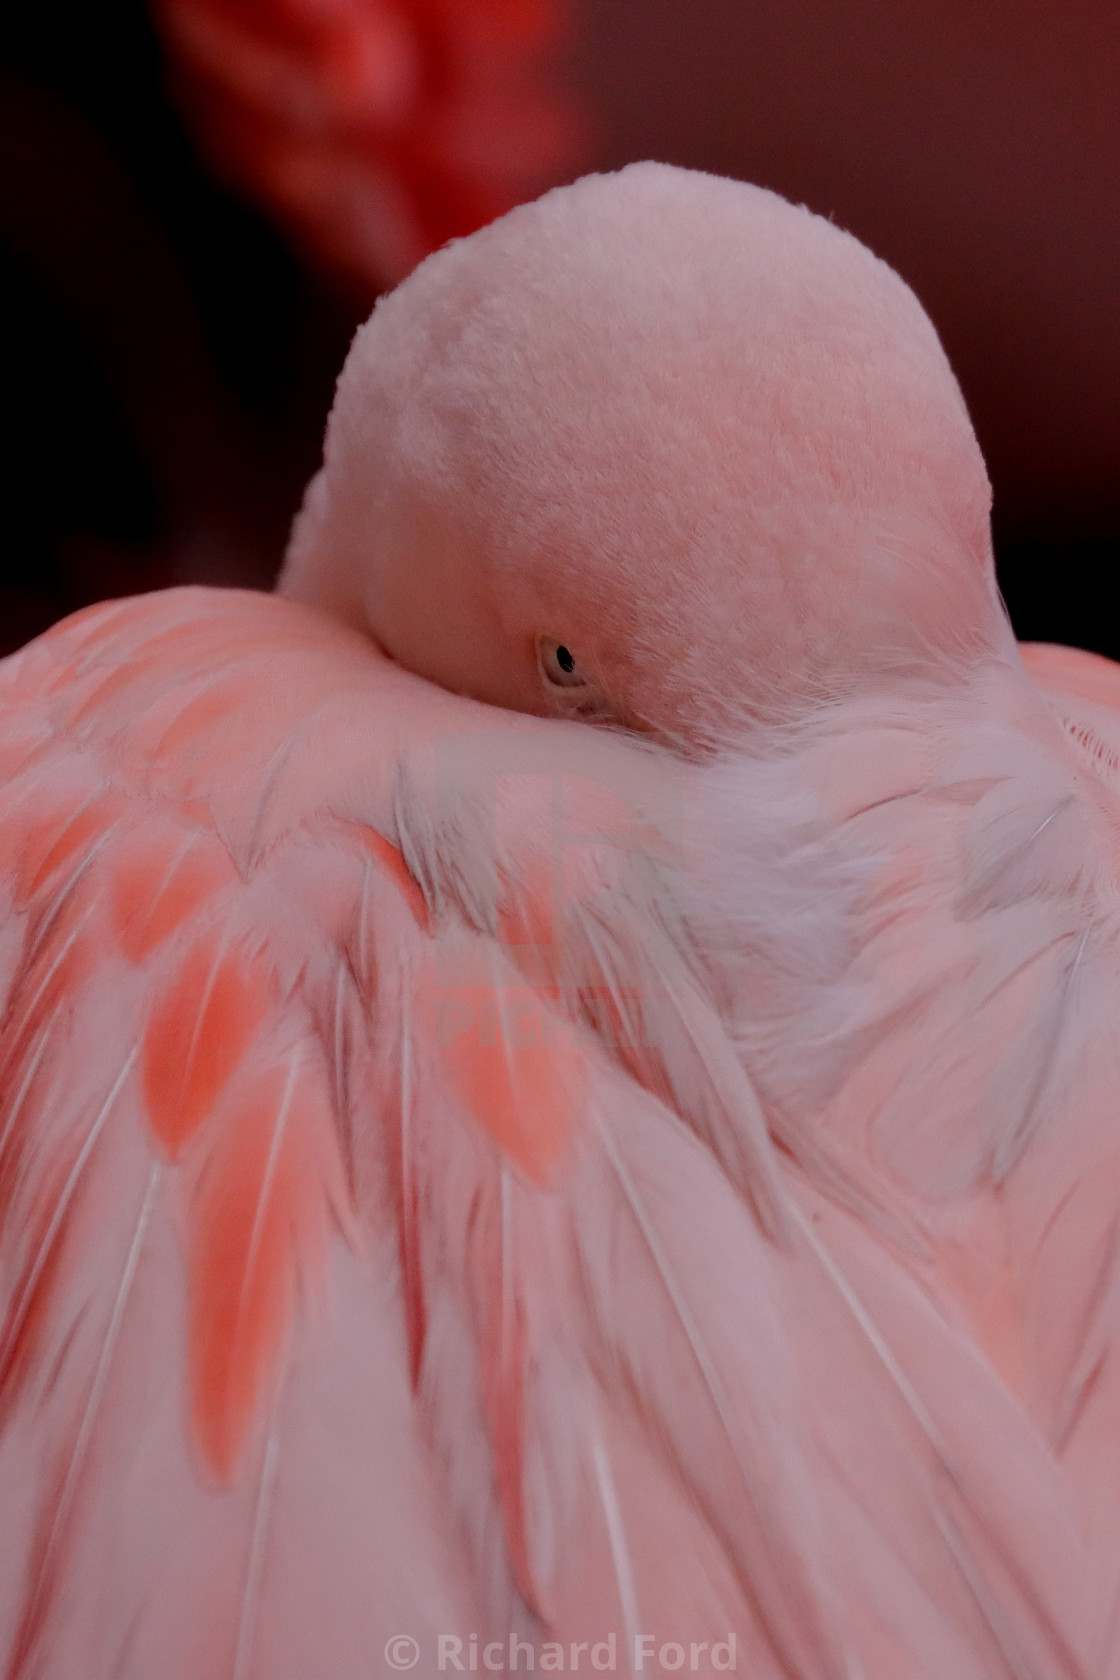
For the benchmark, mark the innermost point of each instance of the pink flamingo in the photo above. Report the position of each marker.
(558, 1074)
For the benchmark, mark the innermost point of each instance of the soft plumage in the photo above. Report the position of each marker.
(642, 1170)
(701, 435)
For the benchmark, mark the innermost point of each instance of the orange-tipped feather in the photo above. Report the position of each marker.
(517, 1068)
(259, 1227)
(60, 838)
(161, 882)
(202, 1024)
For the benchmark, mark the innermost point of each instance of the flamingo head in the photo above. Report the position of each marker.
(660, 449)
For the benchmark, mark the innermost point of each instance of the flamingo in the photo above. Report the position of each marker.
(558, 1072)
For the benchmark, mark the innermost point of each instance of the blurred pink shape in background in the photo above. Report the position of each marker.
(375, 130)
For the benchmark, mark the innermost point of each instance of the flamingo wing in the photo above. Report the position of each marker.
(424, 1213)
(350, 1280)
(928, 889)
(179, 1244)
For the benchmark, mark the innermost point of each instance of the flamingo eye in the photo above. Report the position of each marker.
(558, 664)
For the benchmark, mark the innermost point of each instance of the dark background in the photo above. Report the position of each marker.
(166, 361)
